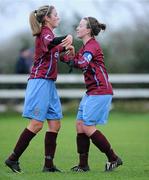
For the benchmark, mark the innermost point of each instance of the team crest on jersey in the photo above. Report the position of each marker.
(48, 37)
(56, 55)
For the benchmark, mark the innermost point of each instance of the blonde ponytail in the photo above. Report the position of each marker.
(34, 24)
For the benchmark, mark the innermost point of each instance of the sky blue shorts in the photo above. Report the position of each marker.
(42, 101)
(94, 109)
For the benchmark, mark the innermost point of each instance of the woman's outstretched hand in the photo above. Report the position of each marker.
(70, 50)
(67, 41)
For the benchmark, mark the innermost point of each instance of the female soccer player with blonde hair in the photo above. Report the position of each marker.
(41, 99)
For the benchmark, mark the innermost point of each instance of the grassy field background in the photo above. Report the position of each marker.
(127, 132)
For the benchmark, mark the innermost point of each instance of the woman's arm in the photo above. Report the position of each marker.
(56, 41)
(82, 61)
(64, 41)
(78, 61)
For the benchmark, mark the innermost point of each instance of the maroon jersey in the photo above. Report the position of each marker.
(90, 60)
(45, 61)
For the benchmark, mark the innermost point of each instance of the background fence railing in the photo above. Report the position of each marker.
(120, 82)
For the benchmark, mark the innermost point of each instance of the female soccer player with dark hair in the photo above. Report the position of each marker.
(41, 99)
(95, 104)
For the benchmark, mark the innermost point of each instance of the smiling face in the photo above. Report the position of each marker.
(53, 20)
(82, 30)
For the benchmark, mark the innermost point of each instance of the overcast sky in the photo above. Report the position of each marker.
(14, 13)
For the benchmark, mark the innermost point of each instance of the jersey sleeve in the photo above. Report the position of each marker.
(82, 61)
(49, 41)
(46, 40)
(56, 41)
(92, 48)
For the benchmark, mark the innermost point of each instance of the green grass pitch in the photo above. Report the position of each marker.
(127, 132)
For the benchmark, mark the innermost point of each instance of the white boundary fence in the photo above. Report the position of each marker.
(78, 79)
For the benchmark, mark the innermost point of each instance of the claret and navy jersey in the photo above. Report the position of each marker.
(45, 61)
(91, 60)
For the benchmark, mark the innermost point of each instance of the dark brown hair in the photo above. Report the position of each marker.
(94, 25)
(36, 18)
